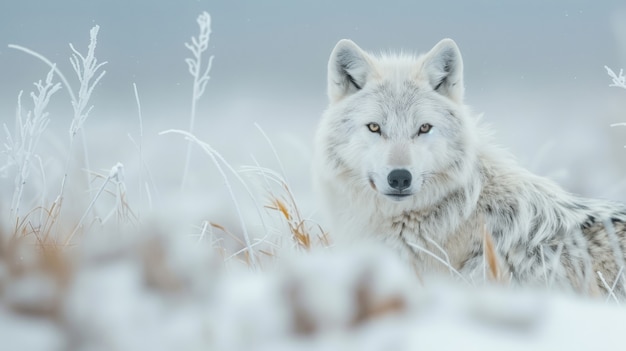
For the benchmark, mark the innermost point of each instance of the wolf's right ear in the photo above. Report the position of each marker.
(349, 68)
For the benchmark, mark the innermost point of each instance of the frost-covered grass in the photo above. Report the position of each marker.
(619, 80)
(85, 266)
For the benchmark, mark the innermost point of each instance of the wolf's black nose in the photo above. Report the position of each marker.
(399, 179)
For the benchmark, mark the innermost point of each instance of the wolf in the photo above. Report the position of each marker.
(399, 159)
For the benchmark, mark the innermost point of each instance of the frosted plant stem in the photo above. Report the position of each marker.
(43, 191)
(200, 76)
(72, 97)
(65, 172)
(14, 210)
(619, 80)
(189, 145)
(269, 142)
(205, 226)
(429, 253)
(443, 252)
(85, 155)
(89, 74)
(140, 146)
(217, 158)
(555, 263)
(146, 172)
(22, 146)
(80, 223)
(607, 287)
(282, 169)
(619, 274)
(52, 66)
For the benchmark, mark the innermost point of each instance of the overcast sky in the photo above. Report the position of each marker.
(282, 46)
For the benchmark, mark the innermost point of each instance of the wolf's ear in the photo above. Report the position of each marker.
(349, 69)
(443, 66)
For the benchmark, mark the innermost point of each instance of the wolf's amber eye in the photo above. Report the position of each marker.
(373, 127)
(425, 128)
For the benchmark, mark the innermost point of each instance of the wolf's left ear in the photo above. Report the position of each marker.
(443, 66)
(349, 69)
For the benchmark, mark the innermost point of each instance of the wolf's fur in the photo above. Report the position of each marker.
(462, 185)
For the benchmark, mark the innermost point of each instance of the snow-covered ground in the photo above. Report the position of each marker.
(156, 290)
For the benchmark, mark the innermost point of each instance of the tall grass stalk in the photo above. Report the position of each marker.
(269, 142)
(53, 66)
(217, 158)
(442, 261)
(44, 189)
(200, 73)
(607, 287)
(89, 73)
(617, 279)
(115, 176)
(21, 146)
(143, 167)
(287, 206)
(619, 80)
(140, 144)
(121, 210)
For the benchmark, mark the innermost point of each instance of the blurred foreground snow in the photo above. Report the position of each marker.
(156, 290)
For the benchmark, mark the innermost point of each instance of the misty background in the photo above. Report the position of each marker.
(534, 68)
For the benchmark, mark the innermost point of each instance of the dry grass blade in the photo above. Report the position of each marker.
(324, 238)
(220, 163)
(301, 231)
(492, 258)
(278, 205)
(297, 228)
(302, 237)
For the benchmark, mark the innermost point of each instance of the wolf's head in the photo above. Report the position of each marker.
(396, 125)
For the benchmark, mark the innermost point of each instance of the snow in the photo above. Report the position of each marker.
(327, 299)
(26, 333)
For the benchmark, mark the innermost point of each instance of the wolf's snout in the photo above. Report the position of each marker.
(399, 179)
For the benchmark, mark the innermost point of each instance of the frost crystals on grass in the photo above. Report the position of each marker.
(86, 68)
(619, 81)
(89, 73)
(200, 75)
(20, 147)
(217, 158)
(121, 208)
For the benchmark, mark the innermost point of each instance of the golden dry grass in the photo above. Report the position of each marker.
(495, 270)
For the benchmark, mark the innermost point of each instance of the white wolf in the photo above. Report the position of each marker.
(400, 159)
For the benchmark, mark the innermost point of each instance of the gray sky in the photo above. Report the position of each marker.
(282, 46)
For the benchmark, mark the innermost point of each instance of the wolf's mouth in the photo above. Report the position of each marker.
(398, 196)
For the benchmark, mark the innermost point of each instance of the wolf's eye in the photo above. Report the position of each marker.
(425, 128)
(374, 127)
